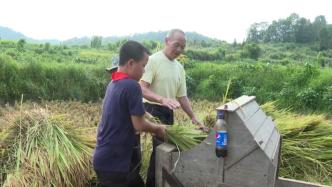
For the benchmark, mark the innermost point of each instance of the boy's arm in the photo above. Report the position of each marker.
(141, 124)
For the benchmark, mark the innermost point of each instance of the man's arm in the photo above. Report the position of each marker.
(141, 124)
(185, 105)
(151, 96)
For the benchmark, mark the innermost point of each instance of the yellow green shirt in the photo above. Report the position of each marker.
(166, 78)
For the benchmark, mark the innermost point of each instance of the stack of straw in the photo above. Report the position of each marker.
(41, 149)
(306, 147)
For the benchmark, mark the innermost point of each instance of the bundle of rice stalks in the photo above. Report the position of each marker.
(41, 149)
(184, 136)
(146, 150)
(307, 145)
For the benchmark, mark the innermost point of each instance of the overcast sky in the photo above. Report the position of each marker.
(221, 19)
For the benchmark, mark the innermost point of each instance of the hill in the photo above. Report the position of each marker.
(10, 34)
(155, 36)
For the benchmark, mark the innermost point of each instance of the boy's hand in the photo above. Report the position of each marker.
(160, 132)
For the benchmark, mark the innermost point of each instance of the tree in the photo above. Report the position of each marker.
(279, 31)
(96, 41)
(234, 43)
(325, 36)
(257, 31)
(282, 30)
(252, 51)
(20, 45)
(47, 46)
(318, 25)
(304, 32)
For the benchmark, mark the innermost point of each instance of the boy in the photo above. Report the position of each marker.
(117, 149)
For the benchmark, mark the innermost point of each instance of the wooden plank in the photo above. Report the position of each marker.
(270, 127)
(284, 182)
(240, 157)
(247, 111)
(277, 158)
(272, 174)
(272, 145)
(252, 171)
(235, 104)
(264, 132)
(255, 121)
(240, 139)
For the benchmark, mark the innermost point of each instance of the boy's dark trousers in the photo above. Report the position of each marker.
(119, 179)
(166, 116)
(124, 179)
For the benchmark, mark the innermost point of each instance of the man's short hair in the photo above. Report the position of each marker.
(131, 50)
(171, 33)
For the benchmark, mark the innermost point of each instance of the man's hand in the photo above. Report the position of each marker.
(199, 125)
(151, 96)
(170, 103)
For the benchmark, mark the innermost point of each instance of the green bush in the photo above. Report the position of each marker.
(206, 54)
(304, 88)
(290, 73)
(49, 81)
(252, 51)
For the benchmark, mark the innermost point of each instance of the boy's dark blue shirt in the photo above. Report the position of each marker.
(116, 135)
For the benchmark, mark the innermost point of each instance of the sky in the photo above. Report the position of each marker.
(221, 19)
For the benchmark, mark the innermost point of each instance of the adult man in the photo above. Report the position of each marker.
(116, 152)
(164, 88)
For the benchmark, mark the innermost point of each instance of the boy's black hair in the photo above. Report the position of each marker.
(131, 50)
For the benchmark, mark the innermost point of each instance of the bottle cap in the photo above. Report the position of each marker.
(220, 114)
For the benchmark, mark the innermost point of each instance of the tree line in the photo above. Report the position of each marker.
(294, 29)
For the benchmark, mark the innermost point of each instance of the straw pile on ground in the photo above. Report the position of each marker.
(306, 146)
(41, 149)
